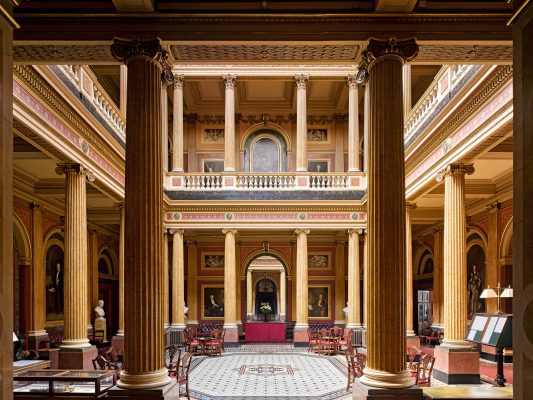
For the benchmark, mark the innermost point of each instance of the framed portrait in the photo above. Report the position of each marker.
(213, 166)
(318, 306)
(321, 260)
(212, 260)
(318, 166)
(212, 301)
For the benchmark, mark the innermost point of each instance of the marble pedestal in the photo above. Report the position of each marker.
(300, 337)
(170, 391)
(77, 358)
(456, 366)
(364, 392)
(231, 339)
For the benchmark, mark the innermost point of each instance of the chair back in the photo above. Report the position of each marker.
(185, 365)
(412, 352)
(186, 335)
(173, 358)
(424, 370)
(360, 364)
(193, 332)
(222, 334)
(310, 334)
(336, 331)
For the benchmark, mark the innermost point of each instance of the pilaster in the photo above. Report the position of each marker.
(354, 282)
(353, 125)
(409, 207)
(230, 81)
(192, 284)
(438, 279)
(492, 271)
(177, 124)
(302, 295)
(340, 295)
(230, 318)
(38, 304)
(178, 280)
(301, 122)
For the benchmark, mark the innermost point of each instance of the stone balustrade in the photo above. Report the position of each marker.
(86, 83)
(241, 181)
(444, 87)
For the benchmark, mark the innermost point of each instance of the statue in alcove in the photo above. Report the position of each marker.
(474, 289)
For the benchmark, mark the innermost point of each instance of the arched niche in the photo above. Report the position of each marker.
(265, 150)
(54, 253)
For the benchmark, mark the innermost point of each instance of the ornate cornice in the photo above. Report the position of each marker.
(500, 78)
(259, 208)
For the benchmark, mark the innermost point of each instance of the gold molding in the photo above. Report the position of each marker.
(278, 208)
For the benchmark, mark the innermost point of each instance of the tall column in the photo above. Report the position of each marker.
(38, 276)
(454, 349)
(249, 294)
(6, 203)
(144, 366)
(92, 276)
(164, 124)
(365, 277)
(409, 207)
(302, 296)
(406, 77)
(301, 122)
(166, 280)
(178, 280)
(438, 302)
(229, 122)
(340, 293)
(123, 88)
(177, 124)
(354, 283)
(385, 366)
(238, 307)
(522, 195)
(230, 317)
(455, 272)
(366, 114)
(353, 125)
(492, 272)
(283, 295)
(192, 284)
(120, 332)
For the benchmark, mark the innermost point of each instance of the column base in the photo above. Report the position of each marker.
(231, 339)
(117, 342)
(38, 340)
(300, 337)
(386, 380)
(77, 358)
(364, 392)
(456, 366)
(51, 355)
(148, 380)
(169, 391)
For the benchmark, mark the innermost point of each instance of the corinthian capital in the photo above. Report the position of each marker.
(66, 168)
(230, 81)
(406, 49)
(352, 81)
(455, 169)
(179, 81)
(301, 81)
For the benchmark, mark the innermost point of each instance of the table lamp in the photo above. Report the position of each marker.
(498, 293)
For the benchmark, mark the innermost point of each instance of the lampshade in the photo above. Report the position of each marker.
(488, 293)
(507, 292)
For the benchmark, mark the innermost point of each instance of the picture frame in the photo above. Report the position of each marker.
(318, 166)
(212, 261)
(319, 260)
(318, 134)
(213, 166)
(212, 307)
(317, 294)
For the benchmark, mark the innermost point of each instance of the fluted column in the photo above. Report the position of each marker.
(164, 125)
(365, 278)
(437, 279)
(301, 122)
(166, 280)
(144, 366)
(340, 292)
(385, 284)
(406, 77)
(38, 315)
(354, 284)
(177, 124)
(283, 295)
(366, 113)
(230, 316)
(229, 126)
(353, 125)
(249, 294)
(75, 268)
(123, 88)
(409, 270)
(302, 296)
(178, 280)
(455, 272)
(120, 332)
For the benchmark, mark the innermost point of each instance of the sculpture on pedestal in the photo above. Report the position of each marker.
(99, 319)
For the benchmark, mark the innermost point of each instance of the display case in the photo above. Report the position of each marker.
(60, 383)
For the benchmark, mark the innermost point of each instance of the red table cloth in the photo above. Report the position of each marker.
(265, 332)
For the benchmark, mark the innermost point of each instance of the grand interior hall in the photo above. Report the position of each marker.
(303, 200)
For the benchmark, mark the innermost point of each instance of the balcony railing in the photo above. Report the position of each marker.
(446, 83)
(266, 181)
(88, 86)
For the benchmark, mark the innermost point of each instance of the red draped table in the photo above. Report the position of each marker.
(265, 332)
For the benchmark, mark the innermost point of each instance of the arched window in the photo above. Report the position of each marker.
(265, 151)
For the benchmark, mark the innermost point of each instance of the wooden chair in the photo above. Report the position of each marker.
(191, 343)
(345, 341)
(356, 364)
(223, 335)
(102, 363)
(424, 370)
(173, 359)
(312, 338)
(183, 374)
(214, 344)
(336, 332)
(412, 352)
(327, 344)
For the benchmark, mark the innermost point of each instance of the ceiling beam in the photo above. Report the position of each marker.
(395, 5)
(134, 6)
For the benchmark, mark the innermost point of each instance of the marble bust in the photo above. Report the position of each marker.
(99, 310)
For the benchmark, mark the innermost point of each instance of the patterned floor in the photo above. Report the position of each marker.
(266, 372)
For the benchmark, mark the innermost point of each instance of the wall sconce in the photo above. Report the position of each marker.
(498, 293)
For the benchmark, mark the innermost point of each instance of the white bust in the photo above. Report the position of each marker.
(99, 310)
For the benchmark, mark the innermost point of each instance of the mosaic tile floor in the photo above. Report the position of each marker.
(268, 375)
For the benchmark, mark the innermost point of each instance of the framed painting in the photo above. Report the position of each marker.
(319, 260)
(212, 260)
(212, 301)
(319, 297)
(318, 166)
(213, 166)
